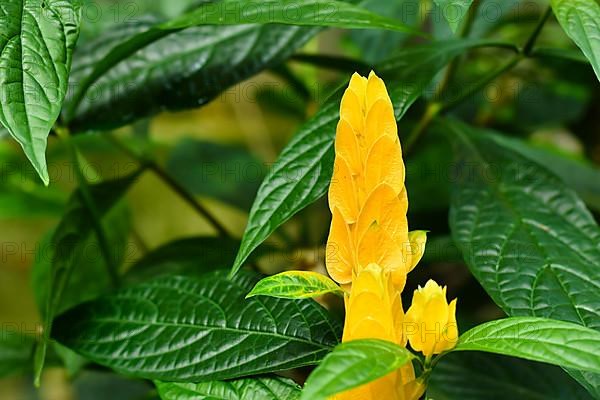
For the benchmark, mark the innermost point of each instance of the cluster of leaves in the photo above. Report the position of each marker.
(518, 214)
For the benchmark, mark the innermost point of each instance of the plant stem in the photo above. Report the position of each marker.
(172, 183)
(191, 200)
(434, 109)
(528, 47)
(464, 32)
(88, 200)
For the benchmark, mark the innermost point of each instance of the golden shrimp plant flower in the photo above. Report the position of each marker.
(370, 250)
(430, 321)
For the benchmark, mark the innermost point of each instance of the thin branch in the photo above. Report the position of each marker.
(172, 183)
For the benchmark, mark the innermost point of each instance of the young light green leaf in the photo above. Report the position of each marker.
(264, 388)
(327, 13)
(37, 38)
(295, 285)
(303, 170)
(527, 238)
(353, 364)
(454, 11)
(580, 19)
(555, 342)
(203, 329)
(477, 376)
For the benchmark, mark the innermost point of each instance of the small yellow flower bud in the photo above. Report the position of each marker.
(430, 322)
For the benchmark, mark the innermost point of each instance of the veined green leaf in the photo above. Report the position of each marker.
(71, 232)
(188, 329)
(580, 19)
(37, 38)
(454, 11)
(295, 285)
(527, 238)
(267, 388)
(555, 342)
(134, 76)
(189, 256)
(327, 13)
(303, 170)
(580, 176)
(477, 376)
(353, 364)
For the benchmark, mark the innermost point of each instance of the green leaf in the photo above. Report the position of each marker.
(353, 364)
(68, 250)
(327, 13)
(295, 285)
(37, 38)
(16, 350)
(580, 19)
(454, 11)
(525, 236)
(303, 170)
(555, 342)
(142, 64)
(185, 329)
(582, 177)
(477, 376)
(267, 388)
(189, 256)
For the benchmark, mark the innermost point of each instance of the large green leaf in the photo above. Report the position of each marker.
(37, 38)
(477, 376)
(188, 329)
(121, 78)
(328, 13)
(303, 170)
(16, 350)
(189, 256)
(295, 285)
(68, 248)
(266, 388)
(580, 19)
(454, 11)
(555, 342)
(526, 237)
(580, 176)
(353, 364)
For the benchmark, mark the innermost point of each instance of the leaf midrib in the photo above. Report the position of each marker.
(201, 328)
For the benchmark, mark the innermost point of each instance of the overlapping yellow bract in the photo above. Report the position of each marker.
(367, 197)
(370, 250)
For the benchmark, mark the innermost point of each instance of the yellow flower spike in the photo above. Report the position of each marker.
(430, 322)
(367, 191)
(374, 310)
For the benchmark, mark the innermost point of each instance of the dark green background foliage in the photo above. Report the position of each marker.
(157, 158)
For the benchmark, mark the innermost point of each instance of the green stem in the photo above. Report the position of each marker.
(434, 109)
(173, 184)
(482, 83)
(88, 201)
(464, 32)
(528, 47)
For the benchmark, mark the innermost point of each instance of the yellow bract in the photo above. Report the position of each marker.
(367, 197)
(430, 321)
